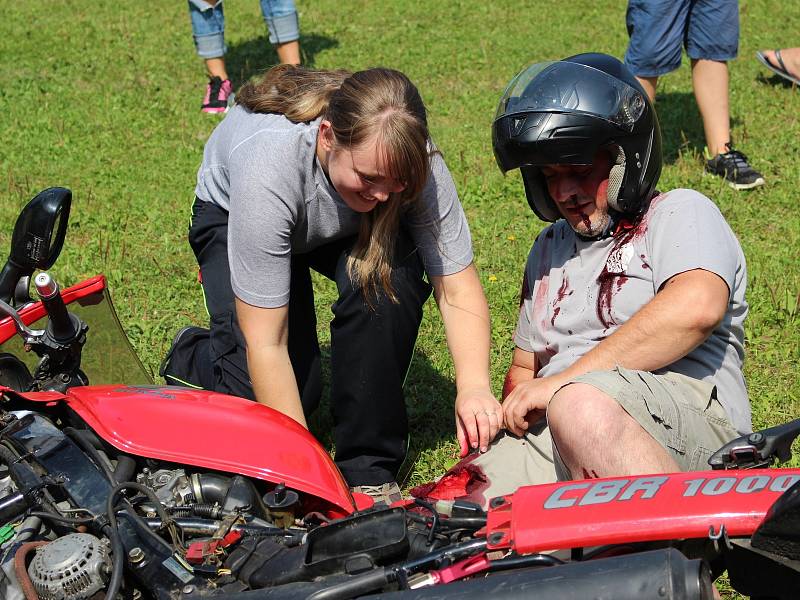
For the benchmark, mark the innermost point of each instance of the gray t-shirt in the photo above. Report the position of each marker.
(263, 170)
(577, 292)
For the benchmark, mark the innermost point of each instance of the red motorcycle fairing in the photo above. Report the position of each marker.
(213, 431)
(622, 510)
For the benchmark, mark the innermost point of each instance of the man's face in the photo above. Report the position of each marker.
(580, 193)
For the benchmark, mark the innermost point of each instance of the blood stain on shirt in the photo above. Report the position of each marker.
(542, 285)
(563, 291)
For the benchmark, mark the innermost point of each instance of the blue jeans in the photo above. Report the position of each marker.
(208, 25)
(708, 29)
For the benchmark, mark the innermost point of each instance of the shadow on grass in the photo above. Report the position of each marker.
(245, 59)
(429, 402)
(776, 80)
(681, 125)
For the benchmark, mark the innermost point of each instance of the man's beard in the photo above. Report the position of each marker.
(594, 227)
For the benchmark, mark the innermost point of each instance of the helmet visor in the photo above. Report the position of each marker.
(573, 88)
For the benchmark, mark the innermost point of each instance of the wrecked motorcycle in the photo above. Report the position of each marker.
(112, 487)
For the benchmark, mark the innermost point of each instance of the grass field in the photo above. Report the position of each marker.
(103, 97)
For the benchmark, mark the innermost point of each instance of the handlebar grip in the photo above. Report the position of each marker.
(61, 326)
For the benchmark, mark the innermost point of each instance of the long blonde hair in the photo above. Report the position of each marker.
(379, 104)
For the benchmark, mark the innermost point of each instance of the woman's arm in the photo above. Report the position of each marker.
(266, 331)
(466, 322)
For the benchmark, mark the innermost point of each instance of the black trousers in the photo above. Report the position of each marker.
(371, 347)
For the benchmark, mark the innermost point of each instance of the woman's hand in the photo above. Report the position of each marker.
(479, 417)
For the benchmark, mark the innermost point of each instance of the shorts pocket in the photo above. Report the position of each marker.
(698, 459)
(660, 401)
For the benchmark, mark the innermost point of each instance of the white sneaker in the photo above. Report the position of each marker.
(384, 494)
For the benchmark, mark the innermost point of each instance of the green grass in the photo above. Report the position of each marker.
(104, 100)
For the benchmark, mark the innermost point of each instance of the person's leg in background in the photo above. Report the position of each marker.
(710, 83)
(712, 40)
(208, 30)
(284, 29)
(655, 28)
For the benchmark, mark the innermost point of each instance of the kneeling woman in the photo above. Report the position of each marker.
(335, 172)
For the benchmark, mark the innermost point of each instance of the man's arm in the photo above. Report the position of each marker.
(679, 318)
(465, 314)
(523, 368)
(266, 331)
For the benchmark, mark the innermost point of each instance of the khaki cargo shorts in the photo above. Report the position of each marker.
(680, 413)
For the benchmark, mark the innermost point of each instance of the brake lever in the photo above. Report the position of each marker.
(757, 449)
(27, 334)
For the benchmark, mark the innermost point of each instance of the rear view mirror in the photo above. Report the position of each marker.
(37, 240)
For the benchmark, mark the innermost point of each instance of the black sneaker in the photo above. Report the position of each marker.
(733, 167)
(177, 368)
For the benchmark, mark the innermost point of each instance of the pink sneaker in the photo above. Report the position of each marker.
(217, 93)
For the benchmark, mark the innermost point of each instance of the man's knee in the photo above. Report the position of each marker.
(580, 411)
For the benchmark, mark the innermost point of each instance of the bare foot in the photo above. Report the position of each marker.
(790, 57)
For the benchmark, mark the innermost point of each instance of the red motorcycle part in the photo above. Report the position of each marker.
(213, 431)
(619, 510)
(465, 568)
(33, 312)
(197, 552)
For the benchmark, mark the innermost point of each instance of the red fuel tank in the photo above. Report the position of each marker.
(214, 431)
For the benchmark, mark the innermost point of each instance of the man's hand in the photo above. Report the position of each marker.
(479, 417)
(527, 403)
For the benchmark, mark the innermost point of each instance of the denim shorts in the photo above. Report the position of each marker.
(708, 29)
(208, 25)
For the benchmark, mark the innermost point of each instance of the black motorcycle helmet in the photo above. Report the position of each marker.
(563, 112)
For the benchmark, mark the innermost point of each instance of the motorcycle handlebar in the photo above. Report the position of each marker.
(61, 326)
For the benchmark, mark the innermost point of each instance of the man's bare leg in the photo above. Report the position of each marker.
(596, 437)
